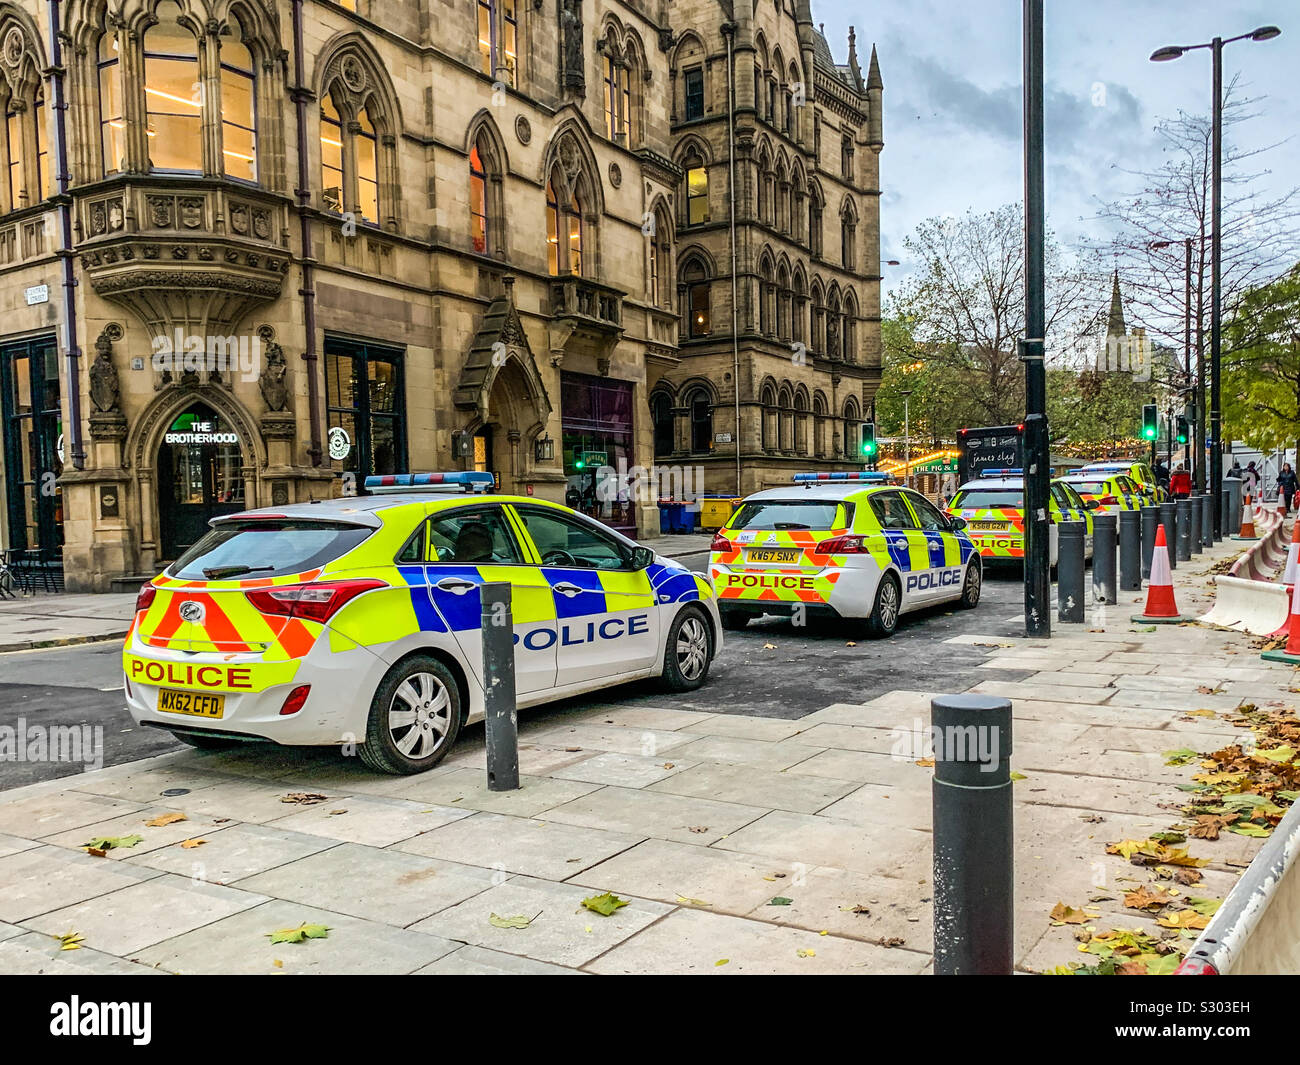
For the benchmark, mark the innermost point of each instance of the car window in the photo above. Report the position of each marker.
(1092, 488)
(1061, 496)
(565, 541)
(266, 548)
(891, 511)
(1076, 500)
(930, 518)
(989, 498)
(763, 514)
(470, 537)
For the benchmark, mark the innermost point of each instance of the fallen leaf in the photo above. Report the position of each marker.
(860, 910)
(1142, 899)
(1178, 756)
(165, 819)
(806, 953)
(769, 647)
(699, 828)
(519, 921)
(1064, 914)
(71, 941)
(850, 644)
(721, 961)
(1208, 907)
(108, 843)
(605, 904)
(668, 765)
(190, 844)
(1018, 776)
(925, 761)
(1183, 919)
(779, 900)
(300, 934)
(303, 798)
(96, 852)
(892, 941)
(686, 900)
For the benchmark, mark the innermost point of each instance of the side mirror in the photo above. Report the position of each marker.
(1092, 504)
(642, 557)
(956, 523)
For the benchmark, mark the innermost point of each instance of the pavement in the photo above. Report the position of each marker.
(740, 843)
(56, 619)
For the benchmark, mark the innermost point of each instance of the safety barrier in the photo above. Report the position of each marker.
(1248, 605)
(1257, 929)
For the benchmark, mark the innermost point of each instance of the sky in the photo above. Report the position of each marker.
(953, 118)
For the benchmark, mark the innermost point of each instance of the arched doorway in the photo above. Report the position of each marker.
(200, 475)
(510, 419)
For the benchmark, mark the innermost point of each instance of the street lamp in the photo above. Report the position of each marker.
(907, 437)
(1198, 382)
(1162, 55)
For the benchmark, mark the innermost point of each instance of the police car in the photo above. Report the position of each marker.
(1139, 473)
(843, 545)
(993, 506)
(1111, 492)
(358, 620)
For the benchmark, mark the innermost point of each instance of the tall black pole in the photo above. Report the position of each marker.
(1037, 590)
(1195, 379)
(1216, 453)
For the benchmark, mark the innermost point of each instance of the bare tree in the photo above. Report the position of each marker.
(966, 306)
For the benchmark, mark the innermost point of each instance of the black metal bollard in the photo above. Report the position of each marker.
(1169, 519)
(1207, 519)
(1130, 550)
(1230, 523)
(1195, 502)
(1069, 571)
(1103, 559)
(1183, 523)
(502, 721)
(1150, 519)
(974, 885)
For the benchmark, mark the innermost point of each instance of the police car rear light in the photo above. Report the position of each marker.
(1108, 501)
(843, 545)
(720, 543)
(294, 700)
(144, 600)
(312, 602)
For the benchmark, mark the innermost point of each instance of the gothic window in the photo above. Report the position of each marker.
(357, 138)
(766, 298)
(173, 97)
(784, 303)
(815, 222)
(698, 286)
(367, 155)
(112, 125)
(846, 156)
(767, 400)
(618, 100)
(661, 260)
(478, 202)
(801, 422)
(849, 329)
(785, 419)
(852, 427)
(697, 191)
(238, 110)
(331, 156)
(820, 419)
(694, 93)
(799, 319)
(818, 319)
(498, 40)
(564, 226)
(661, 417)
(701, 412)
(848, 235)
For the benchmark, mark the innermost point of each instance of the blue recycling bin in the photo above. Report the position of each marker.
(671, 516)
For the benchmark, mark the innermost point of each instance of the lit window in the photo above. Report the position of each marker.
(552, 230)
(367, 168)
(331, 156)
(697, 195)
(575, 238)
(238, 111)
(498, 39)
(14, 139)
(618, 101)
(478, 217)
(111, 124)
(42, 149)
(173, 109)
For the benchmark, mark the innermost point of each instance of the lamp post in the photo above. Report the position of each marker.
(907, 437)
(1197, 382)
(1162, 55)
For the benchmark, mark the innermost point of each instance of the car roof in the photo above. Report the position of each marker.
(993, 482)
(842, 492)
(367, 510)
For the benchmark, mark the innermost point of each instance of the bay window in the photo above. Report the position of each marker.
(173, 97)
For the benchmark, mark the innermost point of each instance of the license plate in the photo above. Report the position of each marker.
(774, 554)
(196, 704)
(990, 526)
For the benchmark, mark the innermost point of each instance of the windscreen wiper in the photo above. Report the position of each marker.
(217, 573)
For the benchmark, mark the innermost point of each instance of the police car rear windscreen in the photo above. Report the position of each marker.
(796, 514)
(989, 498)
(265, 548)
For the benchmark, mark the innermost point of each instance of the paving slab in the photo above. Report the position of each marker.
(748, 785)
(48, 878)
(34, 954)
(236, 852)
(761, 754)
(479, 961)
(370, 819)
(656, 813)
(467, 790)
(46, 812)
(625, 770)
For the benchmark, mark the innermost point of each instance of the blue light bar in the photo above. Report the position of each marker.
(870, 476)
(1106, 466)
(1010, 471)
(462, 480)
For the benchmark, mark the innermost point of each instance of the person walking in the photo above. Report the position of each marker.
(1236, 469)
(1287, 485)
(1250, 481)
(1180, 484)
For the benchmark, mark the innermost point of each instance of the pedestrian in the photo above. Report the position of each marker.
(1162, 474)
(1236, 469)
(1287, 485)
(1250, 480)
(1180, 484)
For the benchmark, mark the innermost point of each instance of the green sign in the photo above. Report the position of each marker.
(589, 460)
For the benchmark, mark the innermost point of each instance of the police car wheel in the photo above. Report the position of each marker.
(884, 615)
(414, 718)
(733, 620)
(971, 587)
(688, 651)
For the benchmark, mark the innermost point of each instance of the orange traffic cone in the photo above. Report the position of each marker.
(1291, 653)
(1293, 557)
(1247, 523)
(1161, 608)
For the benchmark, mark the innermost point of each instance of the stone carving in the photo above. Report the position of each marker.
(180, 251)
(192, 212)
(239, 217)
(353, 73)
(104, 386)
(115, 215)
(261, 225)
(160, 211)
(571, 35)
(98, 219)
(615, 175)
(275, 389)
(14, 47)
(523, 129)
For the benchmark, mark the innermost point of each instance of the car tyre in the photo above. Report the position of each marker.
(688, 651)
(414, 719)
(734, 620)
(884, 613)
(971, 586)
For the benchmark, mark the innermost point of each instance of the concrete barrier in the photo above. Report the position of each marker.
(1248, 605)
(1257, 929)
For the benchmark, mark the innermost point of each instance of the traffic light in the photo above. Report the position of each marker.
(1182, 430)
(869, 439)
(1150, 422)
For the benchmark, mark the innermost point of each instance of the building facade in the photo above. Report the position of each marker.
(780, 352)
(254, 250)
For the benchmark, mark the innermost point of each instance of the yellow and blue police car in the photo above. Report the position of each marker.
(1111, 491)
(358, 620)
(1139, 473)
(993, 506)
(841, 545)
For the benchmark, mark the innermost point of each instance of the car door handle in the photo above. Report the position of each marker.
(456, 586)
(566, 589)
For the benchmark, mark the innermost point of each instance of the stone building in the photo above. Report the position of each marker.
(253, 250)
(780, 353)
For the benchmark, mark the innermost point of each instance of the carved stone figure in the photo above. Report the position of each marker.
(571, 31)
(104, 386)
(275, 389)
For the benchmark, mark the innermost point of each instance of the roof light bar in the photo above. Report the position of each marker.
(1009, 471)
(470, 481)
(869, 475)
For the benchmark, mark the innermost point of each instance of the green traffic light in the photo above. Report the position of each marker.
(869, 447)
(1149, 432)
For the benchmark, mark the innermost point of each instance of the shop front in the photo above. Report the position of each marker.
(596, 421)
(200, 476)
(32, 423)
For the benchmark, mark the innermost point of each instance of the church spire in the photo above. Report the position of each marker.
(1115, 324)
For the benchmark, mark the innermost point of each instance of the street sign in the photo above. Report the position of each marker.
(38, 294)
(722, 438)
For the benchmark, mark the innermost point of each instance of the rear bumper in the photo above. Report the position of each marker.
(845, 591)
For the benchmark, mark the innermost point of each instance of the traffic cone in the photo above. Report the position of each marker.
(1291, 653)
(1161, 608)
(1247, 523)
(1293, 557)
